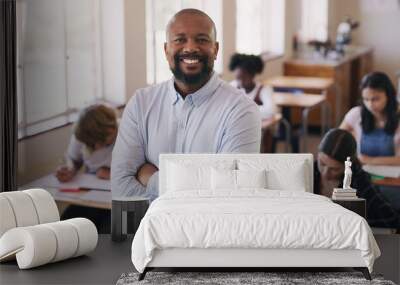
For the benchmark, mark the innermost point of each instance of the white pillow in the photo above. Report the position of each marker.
(223, 179)
(238, 179)
(282, 174)
(251, 178)
(185, 174)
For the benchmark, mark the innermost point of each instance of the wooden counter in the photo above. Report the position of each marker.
(346, 73)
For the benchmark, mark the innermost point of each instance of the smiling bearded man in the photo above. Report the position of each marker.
(194, 112)
(191, 47)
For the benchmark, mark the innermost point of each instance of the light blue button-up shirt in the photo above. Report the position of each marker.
(217, 118)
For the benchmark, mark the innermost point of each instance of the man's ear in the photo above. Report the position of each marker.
(165, 49)
(216, 50)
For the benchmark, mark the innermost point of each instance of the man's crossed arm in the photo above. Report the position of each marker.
(131, 174)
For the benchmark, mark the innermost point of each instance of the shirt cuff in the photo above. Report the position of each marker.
(152, 187)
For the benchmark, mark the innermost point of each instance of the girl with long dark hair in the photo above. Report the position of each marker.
(334, 149)
(375, 123)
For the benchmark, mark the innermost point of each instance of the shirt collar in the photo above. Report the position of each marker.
(201, 95)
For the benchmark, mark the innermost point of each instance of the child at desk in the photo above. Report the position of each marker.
(333, 150)
(375, 124)
(245, 68)
(91, 146)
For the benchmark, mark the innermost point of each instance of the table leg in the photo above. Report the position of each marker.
(338, 107)
(324, 111)
(288, 133)
(326, 114)
(305, 113)
(323, 119)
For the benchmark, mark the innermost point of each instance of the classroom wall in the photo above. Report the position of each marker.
(379, 28)
(135, 45)
(338, 10)
(229, 37)
(41, 154)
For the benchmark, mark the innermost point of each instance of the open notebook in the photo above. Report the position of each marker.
(81, 181)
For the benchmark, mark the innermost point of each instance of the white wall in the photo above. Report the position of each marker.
(41, 154)
(229, 26)
(135, 45)
(379, 28)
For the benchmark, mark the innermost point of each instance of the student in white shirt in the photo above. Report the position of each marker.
(90, 147)
(91, 144)
(245, 68)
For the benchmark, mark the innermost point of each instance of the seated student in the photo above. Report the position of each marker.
(91, 146)
(334, 149)
(375, 124)
(245, 68)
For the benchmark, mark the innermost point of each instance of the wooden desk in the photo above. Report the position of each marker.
(306, 102)
(346, 72)
(103, 200)
(309, 85)
(85, 197)
(318, 84)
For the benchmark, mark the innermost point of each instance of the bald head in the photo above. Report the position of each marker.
(191, 12)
